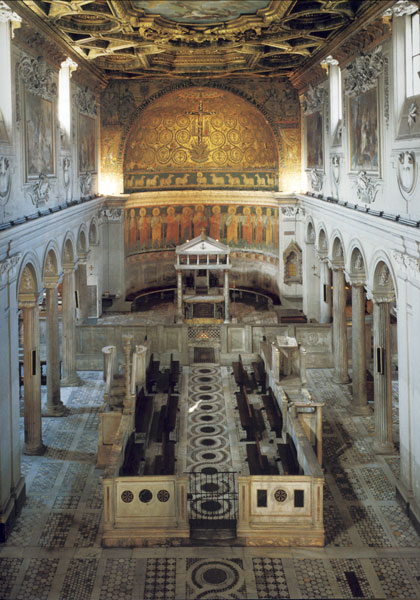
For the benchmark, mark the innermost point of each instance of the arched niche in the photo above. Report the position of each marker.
(200, 138)
(292, 258)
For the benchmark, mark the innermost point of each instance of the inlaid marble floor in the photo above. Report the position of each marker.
(54, 552)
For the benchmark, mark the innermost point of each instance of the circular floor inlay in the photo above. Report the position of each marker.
(210, 487)
(209, 470)
(205, 397)
(205, 388)
(207, 429)
(211, 505)
(204, 379)
(208, 442)
(209, 456)
(215, 575)
(206, 418)
(204, 370)
(206, 407)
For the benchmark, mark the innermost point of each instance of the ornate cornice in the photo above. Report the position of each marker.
(7, 14)
(37, 77)
(401, 8)
(363, 73)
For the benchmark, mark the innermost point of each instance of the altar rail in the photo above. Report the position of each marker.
(165, 340)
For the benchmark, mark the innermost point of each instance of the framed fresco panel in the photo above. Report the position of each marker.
(363, 118)
(39, 134)
(314, 141)
(87, 144)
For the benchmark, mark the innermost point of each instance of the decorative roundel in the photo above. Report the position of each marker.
(280, 495)
(182, 136)
(163, 496)
(182, 121)
(127, 496)
(165, 136)
(179, 156)
(145, 496)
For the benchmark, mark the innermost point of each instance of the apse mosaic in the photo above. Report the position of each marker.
(200, 137)
(155, 228)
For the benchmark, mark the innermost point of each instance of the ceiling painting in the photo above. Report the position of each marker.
(200, 138)
(206, 12)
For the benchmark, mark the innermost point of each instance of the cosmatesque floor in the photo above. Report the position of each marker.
(54, 551)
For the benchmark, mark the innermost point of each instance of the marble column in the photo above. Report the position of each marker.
(70, 376)
(339, 327)
(382, 376)
(360, 404)
(325, 292)
(82, 289)
(226, 296)
(32, 381)
(180, 316)
(54, 406)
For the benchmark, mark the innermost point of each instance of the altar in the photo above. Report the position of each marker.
(202, 267)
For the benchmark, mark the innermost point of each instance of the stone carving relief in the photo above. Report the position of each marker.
(317, 179)
(413, 113)
(67, 177)
(5, 180)
(112, 214)
(85, 101)
(409, 263)
(85, 184)
(292, 210)
(400, 9)
(38, 78)
(335, 171)
(314, 99)
(8, 268)
(39, 190)
(27, 282)
(363, 73)
(366, 187)
(6, 14)
(407, 171)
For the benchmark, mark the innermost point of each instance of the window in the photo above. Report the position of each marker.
(64, 97)
(413, 54)
(336, 103)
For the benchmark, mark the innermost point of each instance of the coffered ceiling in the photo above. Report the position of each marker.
(208, 38)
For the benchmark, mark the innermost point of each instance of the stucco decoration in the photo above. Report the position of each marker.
(407, 172)
(366, 187)
(85, 181)
(363, 72)
(317, 179)
(200, 137)
(38, 78)
(5, 180)
(314, 99)
(335, 171)
(67, 177)
(85, 102)
(39, 190)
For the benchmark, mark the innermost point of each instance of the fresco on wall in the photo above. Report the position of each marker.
(39, 132)
(156, 228)
(314, 141)
(205, 12)
(87, 144)
(200, 137)
(363, 119)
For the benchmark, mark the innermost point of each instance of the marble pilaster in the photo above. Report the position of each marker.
(82, 288)
(325, 292)
(179, 296)
(226, 296)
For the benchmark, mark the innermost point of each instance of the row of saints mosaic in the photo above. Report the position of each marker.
(148, 228)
